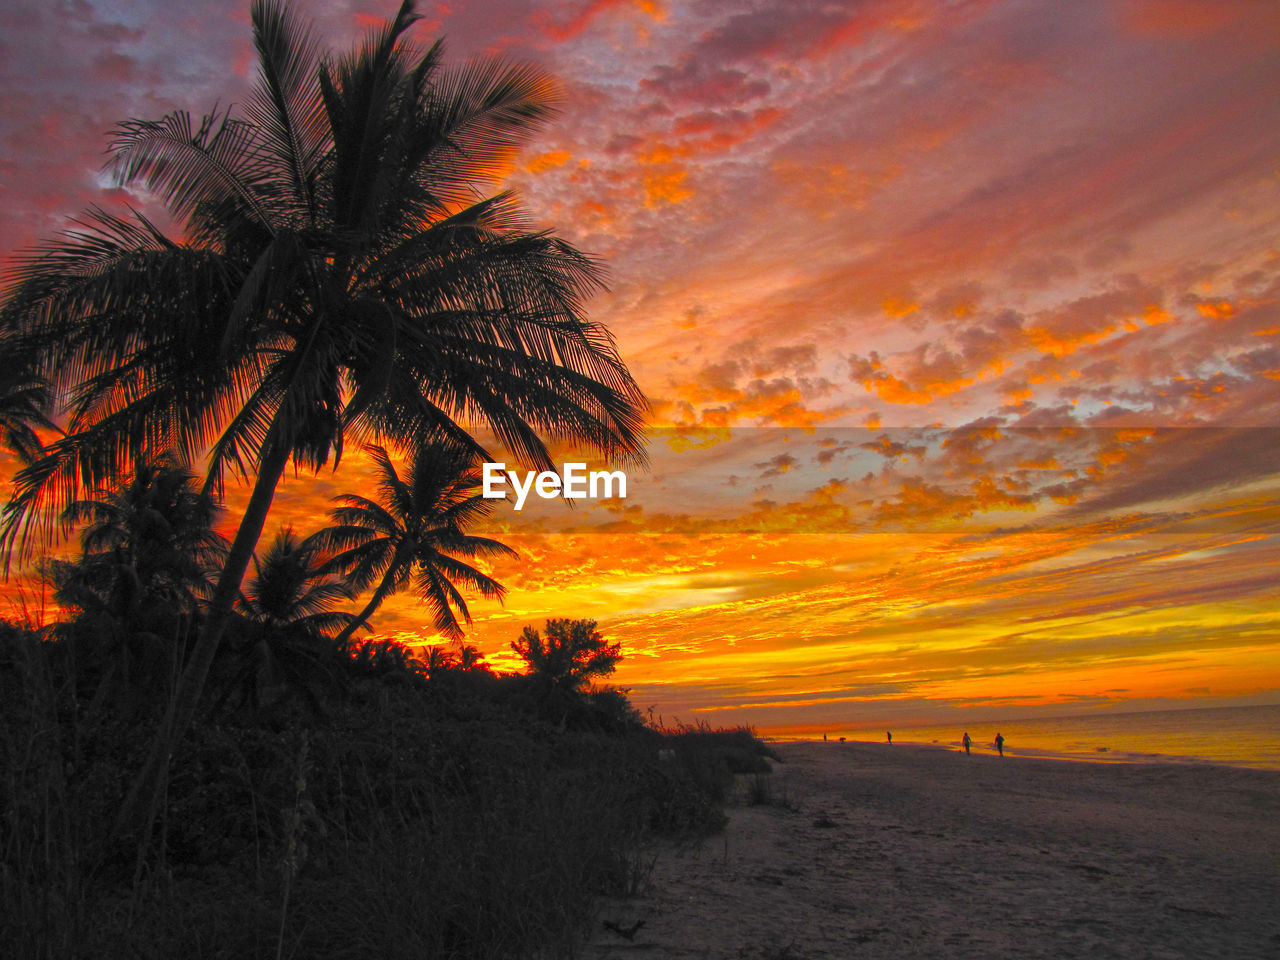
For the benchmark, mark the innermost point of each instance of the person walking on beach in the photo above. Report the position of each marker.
(1000, 743)
(888, 735)
(966, 741)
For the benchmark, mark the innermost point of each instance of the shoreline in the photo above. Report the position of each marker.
(1109, 757)
(916, 850)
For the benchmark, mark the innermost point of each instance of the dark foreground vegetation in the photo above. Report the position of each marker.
(443, 812)
(205, 757)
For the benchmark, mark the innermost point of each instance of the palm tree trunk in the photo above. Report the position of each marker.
(384, 589)
(139, 808)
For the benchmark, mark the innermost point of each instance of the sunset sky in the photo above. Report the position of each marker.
(959, 321)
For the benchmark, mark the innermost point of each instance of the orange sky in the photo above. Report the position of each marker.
(959, 321)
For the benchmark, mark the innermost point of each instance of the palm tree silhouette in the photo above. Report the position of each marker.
(148, 559)
(148, 544)
(415, 532)
(25, 401)
(288, 609)
(336, 279)
(291, 590)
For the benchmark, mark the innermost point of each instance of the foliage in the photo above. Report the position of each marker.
(342, 275)
(147, 543)
(292, 590)
(399, 826)
(25, 401)
(338, 277)
(285, 637)
(416, 532)
(571, 654)
(148, 556)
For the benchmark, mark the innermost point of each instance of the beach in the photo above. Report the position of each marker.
(878, 851)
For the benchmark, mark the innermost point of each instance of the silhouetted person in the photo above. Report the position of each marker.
(888, 735)
(824, 738)
(966, 741)
(1000, 743)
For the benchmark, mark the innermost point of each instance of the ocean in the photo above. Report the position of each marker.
(1239, 736)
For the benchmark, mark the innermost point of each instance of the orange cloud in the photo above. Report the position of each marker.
(1061, 345)
(892, 389)
(778, 409)
(1017, 396)
(577, 24)
(1155, 314)
(1047, 462)
(548, 161)
(1221, 310)
(897, 307)
(667, 187)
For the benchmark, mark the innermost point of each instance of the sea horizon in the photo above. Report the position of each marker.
(1240, 736)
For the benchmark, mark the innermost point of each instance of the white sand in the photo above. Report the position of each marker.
(935, 854)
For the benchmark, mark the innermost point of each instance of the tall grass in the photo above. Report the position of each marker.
(712, 758)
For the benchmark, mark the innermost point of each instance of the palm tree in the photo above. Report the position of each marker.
(470, 658)
(416, 532)
(337, 278)
(292, 591)
(24, 405)
(149, 553)
(148, 545)
(437, 661)
(287, 608)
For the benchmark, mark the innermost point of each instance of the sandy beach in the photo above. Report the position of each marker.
(879, 851)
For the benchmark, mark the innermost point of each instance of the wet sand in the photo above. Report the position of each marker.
(880, 851)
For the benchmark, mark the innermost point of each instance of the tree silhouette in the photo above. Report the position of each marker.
(337, 278)
(416, 532)
(570, 656)
(292, 590)
(25, 401)
(289, 619)
(470, 658)
(147, 545)
(148, 558)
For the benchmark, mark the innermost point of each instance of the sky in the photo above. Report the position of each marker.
(958, 321)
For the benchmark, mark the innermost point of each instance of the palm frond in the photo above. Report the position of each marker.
(221, 161)
(286, 104)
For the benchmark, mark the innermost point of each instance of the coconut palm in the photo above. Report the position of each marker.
(336, 279)
(470, 658)
(292, 591)
(24, 405)
(148, 545)
(288, 620)
(415, 532)
(149, 553)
